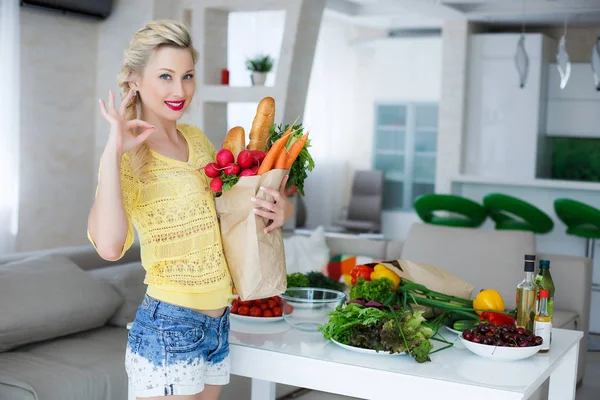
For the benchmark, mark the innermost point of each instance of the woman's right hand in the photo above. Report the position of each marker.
(121, 136)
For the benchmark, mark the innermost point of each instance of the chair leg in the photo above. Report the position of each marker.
(590, 245)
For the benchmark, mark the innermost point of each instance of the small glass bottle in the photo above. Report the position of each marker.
(543, 280)
(527, 296)
(543, 322)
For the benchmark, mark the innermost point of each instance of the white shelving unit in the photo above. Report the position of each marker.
(209, 19)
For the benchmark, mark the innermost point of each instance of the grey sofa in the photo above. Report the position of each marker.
(89, 362)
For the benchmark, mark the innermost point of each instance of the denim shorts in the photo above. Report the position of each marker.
(173, 350)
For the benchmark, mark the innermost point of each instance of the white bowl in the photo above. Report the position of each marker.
(500, 353)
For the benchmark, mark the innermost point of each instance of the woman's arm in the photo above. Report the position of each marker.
(109, 221)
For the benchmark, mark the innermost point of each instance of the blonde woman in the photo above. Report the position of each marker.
(150, 178)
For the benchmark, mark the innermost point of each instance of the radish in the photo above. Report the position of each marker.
(258, 156)
(248, 172)
(232, 169)
(224, 157)
(245, 159)
(254, 169)
(212, 170)
(216, 184)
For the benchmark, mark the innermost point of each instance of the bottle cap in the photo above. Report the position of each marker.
(544, 264)
(529, 262)
(543, 294)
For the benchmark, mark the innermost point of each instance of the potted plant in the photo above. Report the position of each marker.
(259, 66)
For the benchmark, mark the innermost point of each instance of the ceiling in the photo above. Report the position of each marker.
(411, 14)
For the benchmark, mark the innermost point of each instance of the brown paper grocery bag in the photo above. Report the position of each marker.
(256, 259)
(432, 277)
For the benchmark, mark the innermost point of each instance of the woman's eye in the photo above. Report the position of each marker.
(189, 76)
(165, 76)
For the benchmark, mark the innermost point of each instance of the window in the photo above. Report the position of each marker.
(405, 149)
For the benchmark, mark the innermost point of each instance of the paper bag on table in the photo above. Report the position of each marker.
(432, 277)
(256, 259)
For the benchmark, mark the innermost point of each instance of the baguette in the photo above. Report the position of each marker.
(261, 126)
(235, 141)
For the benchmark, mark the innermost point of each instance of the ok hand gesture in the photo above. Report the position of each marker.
(121, 135)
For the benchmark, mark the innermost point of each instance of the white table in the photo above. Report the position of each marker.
(275, 353)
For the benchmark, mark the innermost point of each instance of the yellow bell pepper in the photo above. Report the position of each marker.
(381, 271)
(347, 279)
(488, 300)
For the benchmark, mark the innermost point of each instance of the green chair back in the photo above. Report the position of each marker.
(581, 219)
(503, 209)
(467, 213)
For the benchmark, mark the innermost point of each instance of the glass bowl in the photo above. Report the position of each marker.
(308, 308)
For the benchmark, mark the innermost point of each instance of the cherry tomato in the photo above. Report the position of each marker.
(288, 309)
(276, 311)
(243, 310)
(268, 314)
(272, 303)
(234, 308)
(256, 312)
(264, 306)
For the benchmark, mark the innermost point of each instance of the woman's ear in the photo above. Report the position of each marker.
(133, 81)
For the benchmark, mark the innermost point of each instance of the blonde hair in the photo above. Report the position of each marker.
(154, 35)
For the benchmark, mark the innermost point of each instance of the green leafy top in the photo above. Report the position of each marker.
(304, 162)
(260, 63)
(297, 280)
(379, 290)
(229, 181)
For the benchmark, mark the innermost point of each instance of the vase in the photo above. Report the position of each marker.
(258, 78)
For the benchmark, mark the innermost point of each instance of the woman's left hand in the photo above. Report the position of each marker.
(279, 210)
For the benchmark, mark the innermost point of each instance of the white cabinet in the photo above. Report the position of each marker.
(505, 123)
(573, 111)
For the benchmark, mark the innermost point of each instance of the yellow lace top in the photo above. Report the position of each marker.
(173, 211)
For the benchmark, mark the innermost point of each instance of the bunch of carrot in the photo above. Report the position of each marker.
(278, 156)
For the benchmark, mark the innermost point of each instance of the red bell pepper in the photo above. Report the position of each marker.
(497, 318)
(361, 271)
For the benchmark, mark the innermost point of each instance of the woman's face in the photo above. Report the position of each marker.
(167, 85)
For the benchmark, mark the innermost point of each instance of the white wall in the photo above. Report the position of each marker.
(67, 62)
(339, 114)
(58, 77)
(250, 34)
(406, 69)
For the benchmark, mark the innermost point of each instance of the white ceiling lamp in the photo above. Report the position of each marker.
(521, 58)
(596, 62)
(562, 59)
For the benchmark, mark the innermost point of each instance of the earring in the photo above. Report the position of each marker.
(135, 93)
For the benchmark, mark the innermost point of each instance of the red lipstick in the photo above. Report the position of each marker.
(175, 105)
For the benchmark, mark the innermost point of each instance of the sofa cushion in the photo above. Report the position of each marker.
(128, 280)
(89, 365)
(565, 319)
(49, 296)
(357, 245)
(486, 259)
